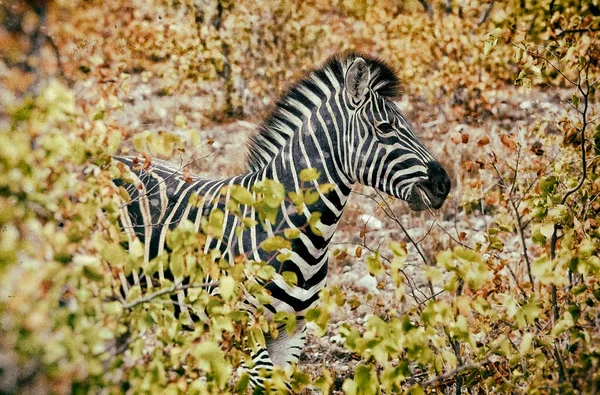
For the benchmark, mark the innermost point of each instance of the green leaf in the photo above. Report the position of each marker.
(325, 188)
(275, 243)
(273, 192)
(319, 316)
(212, 360)
(177, 265)
(497, 32)
(249, 222)
(526, 341)
(115, 255)
(563, 324)
(489, 45)
(291, 234)
(93, 273)
(298, 200)
(290, 278)
(398, 249)
(311, 197)
(575, 100)
(243, 384)
(287, 318)
(241, 195)
(124, 194)
(313, 222)
(135, 293)
(310, 174)
(99, 116)
(227, 287)
(215, 223)
(366, 380)
(374, 265)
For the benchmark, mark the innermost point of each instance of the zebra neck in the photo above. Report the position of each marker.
(330, 205)
(309, 124)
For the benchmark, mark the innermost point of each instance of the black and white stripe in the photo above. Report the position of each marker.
(340, 120)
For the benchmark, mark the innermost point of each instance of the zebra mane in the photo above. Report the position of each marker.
(275, 129)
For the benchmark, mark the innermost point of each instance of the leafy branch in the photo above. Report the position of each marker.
(511, 199)
(470, 366)
(165, 291)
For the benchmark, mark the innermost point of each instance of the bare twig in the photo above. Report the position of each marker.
(512, 273)
(395, 218)
(486, 13)
(427, 8)
(448, 6)
(572, 31)
(462, 368)
(166, 291)
(518, 217)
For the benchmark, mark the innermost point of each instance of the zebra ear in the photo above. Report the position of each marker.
(357, 80)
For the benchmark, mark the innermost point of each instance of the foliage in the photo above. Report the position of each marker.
(494, 315)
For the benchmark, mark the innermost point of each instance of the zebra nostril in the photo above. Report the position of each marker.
(440, 182)
(441, 189)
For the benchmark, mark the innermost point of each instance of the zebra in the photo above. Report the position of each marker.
(340, 120)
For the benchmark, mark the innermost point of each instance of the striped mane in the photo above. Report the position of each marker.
(277, 128)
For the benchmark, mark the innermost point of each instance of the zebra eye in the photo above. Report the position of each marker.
(385, 127)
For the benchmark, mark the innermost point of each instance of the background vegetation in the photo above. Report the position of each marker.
(497, 293)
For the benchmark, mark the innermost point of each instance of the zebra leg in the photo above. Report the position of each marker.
(286, 349)
(261, 361)
(282, 351)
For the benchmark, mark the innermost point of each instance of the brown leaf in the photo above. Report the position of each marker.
(358, 252)
(491, 198)
(147, 162)
(187, 176)
(591, 223)
(462, 236)
(468, 165)
(536, 148)
(475, 183)
(464, 138)
(341, 256)
(381, 284)
(508, 142)
(485, 140)
(456, 138)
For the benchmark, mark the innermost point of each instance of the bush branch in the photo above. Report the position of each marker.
(166, 291)
(462, 368)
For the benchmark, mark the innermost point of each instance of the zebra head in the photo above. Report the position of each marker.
(385, 152)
